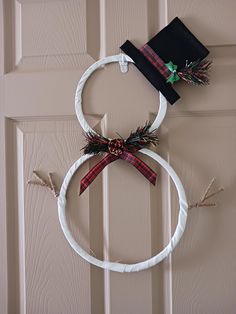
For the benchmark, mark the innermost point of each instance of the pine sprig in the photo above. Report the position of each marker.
(196, 72)
(138, 139)
(142, 137)
(95, 143)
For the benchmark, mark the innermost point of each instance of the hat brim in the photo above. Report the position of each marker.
(150, 72)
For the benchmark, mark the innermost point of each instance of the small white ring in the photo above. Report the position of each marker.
(119, 267)
(78, 94)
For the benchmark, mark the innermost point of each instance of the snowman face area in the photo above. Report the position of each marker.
(122, 60)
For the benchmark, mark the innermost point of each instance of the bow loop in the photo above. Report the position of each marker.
(174, 77)
(140, 165)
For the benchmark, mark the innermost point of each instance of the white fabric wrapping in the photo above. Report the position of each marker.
(78, 94)
(119, 267)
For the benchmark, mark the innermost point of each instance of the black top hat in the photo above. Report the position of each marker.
(173, 54)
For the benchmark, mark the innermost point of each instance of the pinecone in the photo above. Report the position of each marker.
(116, 146)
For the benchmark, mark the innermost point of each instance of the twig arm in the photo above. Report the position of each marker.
(206, 196)
(51, 186)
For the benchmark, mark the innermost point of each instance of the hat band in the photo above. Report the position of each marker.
(155, 60)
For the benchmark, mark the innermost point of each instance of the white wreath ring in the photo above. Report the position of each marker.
(121, 58)
(118, 267)
(183, 206)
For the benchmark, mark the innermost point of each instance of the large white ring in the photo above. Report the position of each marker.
(118, 267)
(121, 58)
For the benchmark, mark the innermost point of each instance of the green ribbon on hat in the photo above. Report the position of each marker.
(174, 77)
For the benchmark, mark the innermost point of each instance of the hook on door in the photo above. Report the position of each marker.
(123, 63)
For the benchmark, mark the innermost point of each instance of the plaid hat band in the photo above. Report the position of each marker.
(155, 60)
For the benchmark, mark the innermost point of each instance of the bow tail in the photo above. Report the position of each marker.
(94, 172)
(140, 165)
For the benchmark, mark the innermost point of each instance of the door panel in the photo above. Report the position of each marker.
(45, 48)
(52, 276)
(205, 257)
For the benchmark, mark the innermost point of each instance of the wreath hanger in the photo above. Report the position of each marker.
(183, 206)
(163, 63)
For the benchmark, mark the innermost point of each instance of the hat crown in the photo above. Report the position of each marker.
(176, 43)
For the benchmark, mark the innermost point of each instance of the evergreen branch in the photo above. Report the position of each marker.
(138, 139)
(196, 72)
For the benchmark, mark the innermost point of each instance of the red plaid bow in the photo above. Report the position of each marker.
(117, 151)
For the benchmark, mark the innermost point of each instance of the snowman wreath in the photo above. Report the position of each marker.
(149, 60)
